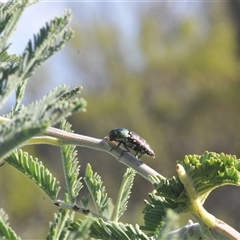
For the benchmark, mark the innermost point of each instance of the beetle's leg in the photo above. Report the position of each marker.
(126, 149)
(116, 146)
(136, 155)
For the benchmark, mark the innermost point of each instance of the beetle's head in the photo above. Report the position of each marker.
(112, 135)
(117, 134)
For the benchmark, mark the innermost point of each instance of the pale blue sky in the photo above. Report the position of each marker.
(124, 15)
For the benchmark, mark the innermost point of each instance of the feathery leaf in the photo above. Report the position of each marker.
(124, 194)
(35, 118)
(36, 171)
(112, 230)
(81, 231)
(206, 172)
(10, 13)
(71, 167)
(98, 191)
(50, 39)
(5, 231)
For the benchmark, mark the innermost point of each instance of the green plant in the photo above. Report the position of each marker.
(197, 175)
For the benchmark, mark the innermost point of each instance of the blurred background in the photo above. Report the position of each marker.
(168, 71)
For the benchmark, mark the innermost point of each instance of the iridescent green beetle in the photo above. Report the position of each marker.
(130, 140)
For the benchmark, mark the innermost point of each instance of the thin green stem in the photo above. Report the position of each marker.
(45, 140)
(76, 208)
(196, 206)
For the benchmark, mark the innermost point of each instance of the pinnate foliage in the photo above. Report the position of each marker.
(206, 172)
(24, 125)
(124, 194)
(36, 171)
(98, 191)
(71, 168)
(5, 230)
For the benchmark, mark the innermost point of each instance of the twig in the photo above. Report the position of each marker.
(58, 137)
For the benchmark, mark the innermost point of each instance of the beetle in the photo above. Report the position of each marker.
(130, 140)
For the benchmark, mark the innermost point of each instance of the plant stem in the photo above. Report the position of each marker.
(196, 206)
(58, 137)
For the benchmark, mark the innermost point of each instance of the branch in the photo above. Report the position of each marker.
(128, 159)
(60, 138)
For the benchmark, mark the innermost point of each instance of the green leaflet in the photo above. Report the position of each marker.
(36, 171)
(206, 172)
(124, 194)
(35, 118)
(71, 167)
(98, 192)
(101, 229)
(6, 232)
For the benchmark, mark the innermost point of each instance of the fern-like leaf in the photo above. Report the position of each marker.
(71, 167)
(50, 39)
(124, 194)
(19, 96)
(212, 170)
(34, 119)
(98, 191)
(112, 230)
(6, 232)
(81, 231)
(154, 213)
(206, 172)
(36, 171)
(10, 14)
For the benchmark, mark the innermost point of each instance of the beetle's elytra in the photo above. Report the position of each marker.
(130, 140)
